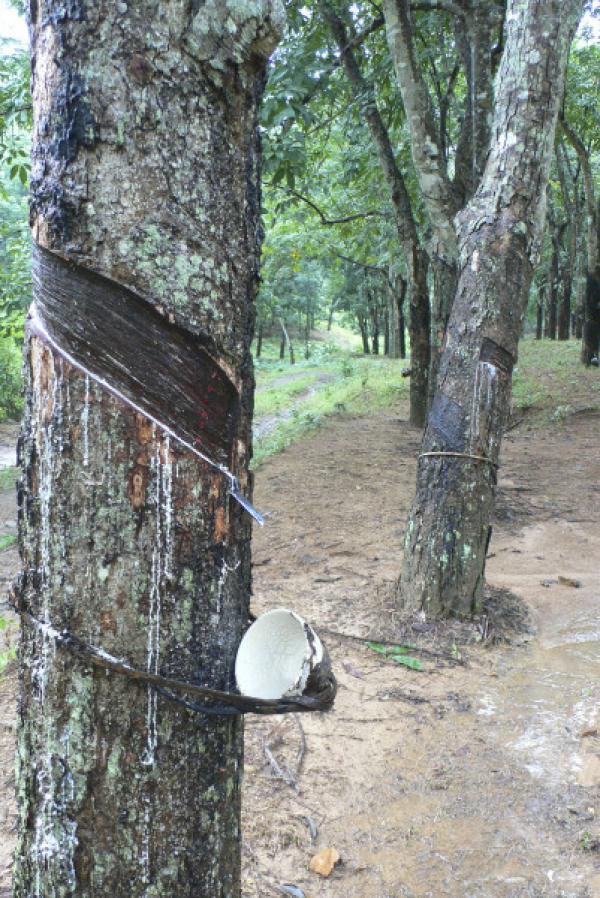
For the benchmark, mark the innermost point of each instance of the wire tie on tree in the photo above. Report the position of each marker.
(469, 455)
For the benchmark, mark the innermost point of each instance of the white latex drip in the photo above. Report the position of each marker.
(85, 423)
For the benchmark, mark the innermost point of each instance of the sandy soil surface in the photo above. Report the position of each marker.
(476, 778)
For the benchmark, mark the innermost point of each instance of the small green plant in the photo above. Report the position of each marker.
(560, 413)
(589, 842)
(8, 477)
(7, 541)
(11, 381)
(398, 653)
(6, 657)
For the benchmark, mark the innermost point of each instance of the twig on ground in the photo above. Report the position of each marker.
(302, 747)
(428, 653)
(281, 773)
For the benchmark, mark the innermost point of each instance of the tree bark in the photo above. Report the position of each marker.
(146, 171)
(364, 333)
(552, 305)
(287, 339)
(441, 197)
(499, 235)
(591, 309)
(539, 314)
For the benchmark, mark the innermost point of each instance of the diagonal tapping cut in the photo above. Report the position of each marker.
(157, 368)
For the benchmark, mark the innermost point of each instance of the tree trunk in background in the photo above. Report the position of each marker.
(286, 339)
(499, 234)
(564, 309)
(127, 540)
(539, 316)
(401, 319)
(402, 331)
(569, 263)
(330, 316)
(475, 22)
(259, 340)
(416, 259)
(552, 305)
(590, 344)
(396, 291)
(364, 334)
(374, 315)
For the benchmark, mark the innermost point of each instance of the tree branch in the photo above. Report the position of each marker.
(331, 221)
(427, 154)
(590, 198)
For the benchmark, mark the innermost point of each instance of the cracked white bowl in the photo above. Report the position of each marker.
(277, 655)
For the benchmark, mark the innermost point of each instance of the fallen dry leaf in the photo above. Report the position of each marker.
(590, 732)
(352, 670)
(324, 862)
(569, 581)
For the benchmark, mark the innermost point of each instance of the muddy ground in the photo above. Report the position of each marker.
(476, 778)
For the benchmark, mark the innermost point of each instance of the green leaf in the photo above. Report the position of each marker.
(408, 661)
(398, 654)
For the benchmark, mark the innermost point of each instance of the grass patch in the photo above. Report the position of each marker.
(7, 656)
(357, 386)
(550, 379)
(8, 478)
(280, 396)
(7, 541)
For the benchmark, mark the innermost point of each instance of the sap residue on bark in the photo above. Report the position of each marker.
(162, 553)
(54, 829)
(482, 411)
(85, 422)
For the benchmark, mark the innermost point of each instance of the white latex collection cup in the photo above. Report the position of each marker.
(277, 655)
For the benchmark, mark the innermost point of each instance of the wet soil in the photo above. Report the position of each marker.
(478, 777)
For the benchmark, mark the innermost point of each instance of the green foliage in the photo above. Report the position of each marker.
(11, 385)
(15, 110)
(15, 242)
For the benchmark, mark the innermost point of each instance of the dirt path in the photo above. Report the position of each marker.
(464, 781)
(461, 781)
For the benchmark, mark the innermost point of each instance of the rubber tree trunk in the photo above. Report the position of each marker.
(590, 343)
(415, 256)
(499, 235)
(145, 170)
(441, 197)
(539, 314)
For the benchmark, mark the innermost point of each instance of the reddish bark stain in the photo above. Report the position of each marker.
(144, 429)
(221, 525)
(138, 481)
(108, 622)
